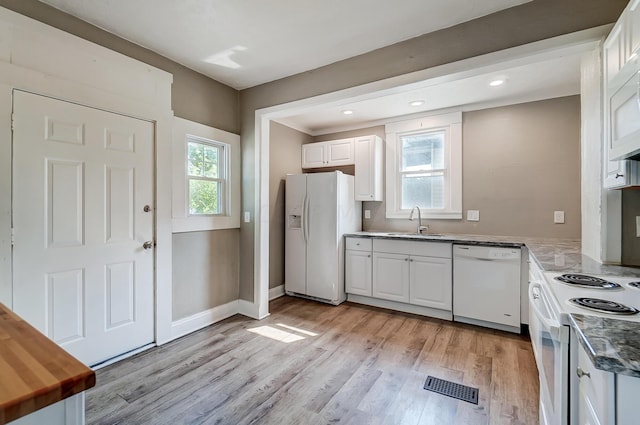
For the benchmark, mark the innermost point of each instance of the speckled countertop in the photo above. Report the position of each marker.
(613, 345)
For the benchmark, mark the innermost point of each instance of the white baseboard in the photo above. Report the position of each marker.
(203, 319)
(276, 292)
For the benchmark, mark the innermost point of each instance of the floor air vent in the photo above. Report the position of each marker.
(451, 389)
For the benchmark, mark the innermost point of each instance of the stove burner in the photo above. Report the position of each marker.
(634, 285)
(603, 306)
(587, 281)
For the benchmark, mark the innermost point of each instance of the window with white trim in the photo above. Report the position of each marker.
(206, 176)
(424, 167)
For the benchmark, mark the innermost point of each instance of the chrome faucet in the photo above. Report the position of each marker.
(420, 227)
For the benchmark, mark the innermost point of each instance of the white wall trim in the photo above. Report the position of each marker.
(203, 319)
(37, 58)
(276, 292)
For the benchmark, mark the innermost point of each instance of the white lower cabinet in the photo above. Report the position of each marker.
(391, 276)
(596, 393)
(430, 282)
(357, 269)
(416, 275)
(357, 266)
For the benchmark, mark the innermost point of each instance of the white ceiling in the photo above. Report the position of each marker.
(243, 43)
(542, 78)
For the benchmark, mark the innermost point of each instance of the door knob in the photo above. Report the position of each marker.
(146, 208)
(148, 245)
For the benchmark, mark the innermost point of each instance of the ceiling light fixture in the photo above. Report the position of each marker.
(496, 83)
(417, 103)
(347, 112)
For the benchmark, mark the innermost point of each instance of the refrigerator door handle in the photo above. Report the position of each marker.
(305, 219)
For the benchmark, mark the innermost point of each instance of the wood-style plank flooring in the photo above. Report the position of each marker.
(310, 363)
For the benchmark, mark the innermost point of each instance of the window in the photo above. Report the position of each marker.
(206, 176)
(424, 167)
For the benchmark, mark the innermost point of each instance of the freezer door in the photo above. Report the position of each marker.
(322, 236)
(294, 244)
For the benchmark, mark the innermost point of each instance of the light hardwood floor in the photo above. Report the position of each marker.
(321, 364)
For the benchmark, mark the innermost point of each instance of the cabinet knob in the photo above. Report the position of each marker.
(406, 259)
(369, 256)
(619, 175)
(411, 260)
(582, 373)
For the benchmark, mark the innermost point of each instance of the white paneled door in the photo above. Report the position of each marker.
(82, 212)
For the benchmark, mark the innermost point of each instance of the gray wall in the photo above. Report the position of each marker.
(537, 20)
(284, 158)
(519, 164)
(205, 264)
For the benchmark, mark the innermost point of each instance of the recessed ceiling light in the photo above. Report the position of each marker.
(417, 103)
(347, 112)
(496, 83)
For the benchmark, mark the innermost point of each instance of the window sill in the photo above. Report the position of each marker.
(196, 224)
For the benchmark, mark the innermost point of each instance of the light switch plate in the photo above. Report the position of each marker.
(473, 215)
(558, 217)
(247, 216)
(367, 213)
(638, 226)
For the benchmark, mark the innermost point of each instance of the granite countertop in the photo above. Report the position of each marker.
(612, 344)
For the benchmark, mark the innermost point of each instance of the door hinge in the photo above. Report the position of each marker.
(13, 122)
(13, 236)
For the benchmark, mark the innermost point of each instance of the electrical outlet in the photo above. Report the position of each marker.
(473, 215)
(367, 214)
(558, 217)
(247, 216)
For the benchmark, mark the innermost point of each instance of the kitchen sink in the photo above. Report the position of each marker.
(411, 234)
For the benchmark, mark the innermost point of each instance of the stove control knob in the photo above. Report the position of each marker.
(582, 373)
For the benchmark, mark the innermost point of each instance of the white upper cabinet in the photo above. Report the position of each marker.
(328, 154)
(368, 172)
(621, 66)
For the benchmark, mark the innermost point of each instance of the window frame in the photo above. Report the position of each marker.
(222, 179)
(229, 216)
(451, 125)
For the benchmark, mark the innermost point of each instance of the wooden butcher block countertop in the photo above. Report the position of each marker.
(34, 371)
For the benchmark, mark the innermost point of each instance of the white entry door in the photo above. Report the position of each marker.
(82, 181)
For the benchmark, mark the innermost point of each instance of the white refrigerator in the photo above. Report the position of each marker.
(320, 209)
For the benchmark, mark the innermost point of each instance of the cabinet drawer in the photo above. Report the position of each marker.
(358, 244)
(427, 249)
(596, 389)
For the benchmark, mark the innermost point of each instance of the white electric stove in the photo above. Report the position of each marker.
(604, 296)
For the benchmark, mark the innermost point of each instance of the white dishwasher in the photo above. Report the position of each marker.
(486, 286)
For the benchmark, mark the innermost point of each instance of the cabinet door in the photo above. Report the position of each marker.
(368, 172)
(430, 282)
(313, 155)
(340, 152)
(624, 119)
(596, 392)
(633, 28)
(391, 276)
(357, 273)
(614, 52)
